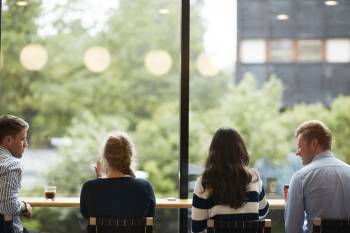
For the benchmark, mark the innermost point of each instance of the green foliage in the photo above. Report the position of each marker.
(255, 113)
(339, 122)
(56, 220)
(88, 133)
(294, 116)
(65, 99)
(157, 140)
(16, 93)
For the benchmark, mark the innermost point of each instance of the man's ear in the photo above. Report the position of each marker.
(314, 143)
(6, 141)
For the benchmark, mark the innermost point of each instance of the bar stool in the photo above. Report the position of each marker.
(236, 226)
(331, 225)
(117, 225)
(6, 224)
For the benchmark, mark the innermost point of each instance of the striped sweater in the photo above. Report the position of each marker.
(10, 184)
(203, 206)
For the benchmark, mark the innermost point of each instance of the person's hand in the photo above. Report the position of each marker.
(28, 212)
(98, 169)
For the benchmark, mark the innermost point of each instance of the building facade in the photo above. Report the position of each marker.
(305, 43)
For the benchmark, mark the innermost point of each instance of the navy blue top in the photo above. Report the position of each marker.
(123, 197)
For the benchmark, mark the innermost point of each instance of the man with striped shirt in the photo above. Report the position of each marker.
(13, 141)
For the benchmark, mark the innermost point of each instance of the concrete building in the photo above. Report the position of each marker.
(305, 43)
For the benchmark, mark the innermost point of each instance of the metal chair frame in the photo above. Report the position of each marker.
(325, 225)
(120, 225)
(6, 225)
(233, 226)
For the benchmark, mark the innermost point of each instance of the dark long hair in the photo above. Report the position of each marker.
(226, 175)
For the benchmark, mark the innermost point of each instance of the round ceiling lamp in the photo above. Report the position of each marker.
(33, 57)
(97, 59)
(282, 17)
(21, 3)
(205, 66)
(331, 3)
(163, 11)
(158, 62)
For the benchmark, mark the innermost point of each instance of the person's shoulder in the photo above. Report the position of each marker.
(342, 163)
(144, 185)
(317, 165)
(13, 164)
(199, 189)
(198, 184)
(92, 182)
(255, 183)
(142, 182)
(302, 173)
(255, 175)
(199, 179)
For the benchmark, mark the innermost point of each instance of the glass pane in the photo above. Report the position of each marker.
(76, 70)
(281, 51)
(338, 50)
(218, 36)
(288, 85)
(281, 78)
(253, 51)
(309, 50)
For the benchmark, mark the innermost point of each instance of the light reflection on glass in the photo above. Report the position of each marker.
(33, 57)
(205, 66)
(21, 3)
(158, 62)
(97, 59)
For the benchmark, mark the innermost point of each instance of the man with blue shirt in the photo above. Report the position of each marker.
(322, 187)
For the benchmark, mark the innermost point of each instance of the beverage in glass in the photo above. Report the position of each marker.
(50, 193)
(285, 191)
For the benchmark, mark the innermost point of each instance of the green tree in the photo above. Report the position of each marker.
(65, 99)
(88, 133)
(255, 113)
(126, 88)
(339, 122)
(18, 30)
(295, 115)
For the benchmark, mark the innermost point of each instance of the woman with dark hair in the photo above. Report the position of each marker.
(228, 188)
(116, 192)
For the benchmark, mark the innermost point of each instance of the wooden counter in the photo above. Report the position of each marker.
(167, 203)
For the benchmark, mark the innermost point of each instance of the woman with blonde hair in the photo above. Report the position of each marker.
(228, 189)
(117, 193)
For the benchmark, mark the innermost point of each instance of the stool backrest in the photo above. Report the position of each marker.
(331, 225)
(6, 225)
(230, 226)
(117, 225)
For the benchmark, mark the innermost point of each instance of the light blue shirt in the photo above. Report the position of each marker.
(320, 189)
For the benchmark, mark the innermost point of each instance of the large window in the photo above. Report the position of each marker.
(77, 69)
(338, 50)
(253, 51)
(310, 51)
(281, 51)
